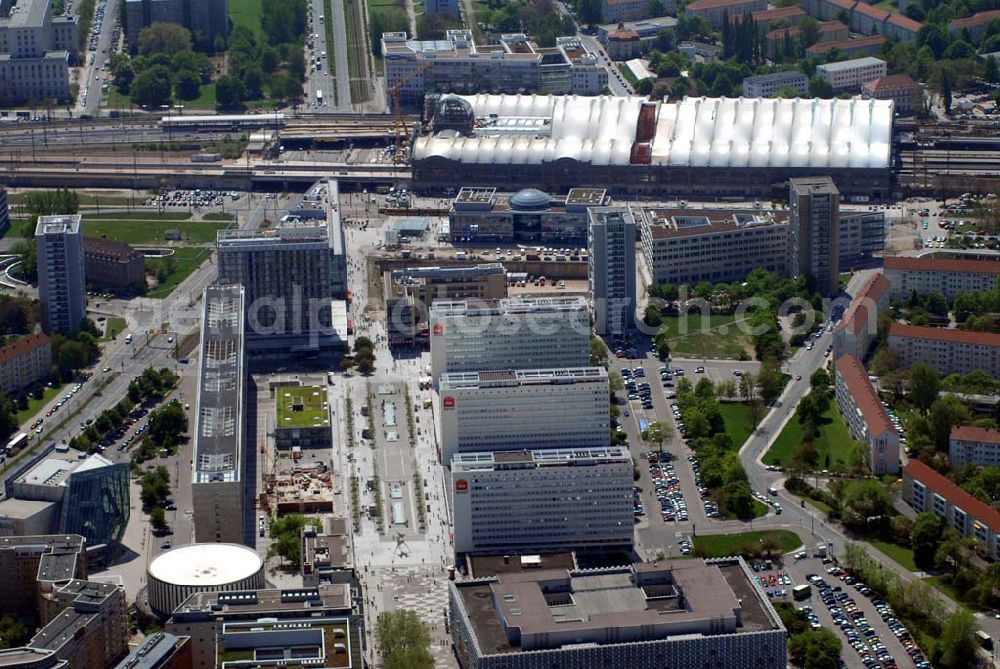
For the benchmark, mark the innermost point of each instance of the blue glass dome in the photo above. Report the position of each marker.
(530, 199)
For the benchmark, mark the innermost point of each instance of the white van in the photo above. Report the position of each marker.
(772, 491)
(128, 339)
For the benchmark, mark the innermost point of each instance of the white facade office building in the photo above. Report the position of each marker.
(512, 333)
(542, 500)
(514, 410)
(612, 269)
(848, 75)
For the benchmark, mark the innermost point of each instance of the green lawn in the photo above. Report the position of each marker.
(186, 260)
(113, 326)
(20, 227)
(737, 416)
(692, 336)
(151, 232)
(205, 99)
(139, 215)
(901, 554)
(247, 13)
(834, 441)
(721, 545)
(759, 511)
(34, 406)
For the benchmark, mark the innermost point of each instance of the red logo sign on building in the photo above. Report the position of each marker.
(461, 485)
(438, 329)
(449, 402)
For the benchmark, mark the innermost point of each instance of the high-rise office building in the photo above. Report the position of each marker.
(287, 272)
(36, 51)
(217, 480)
(542, 500)
(4, 211)
(814, 239)
(513, 333)
(612, 269)
(514, 410)
(61, 281)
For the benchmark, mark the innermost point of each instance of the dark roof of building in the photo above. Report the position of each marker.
(855, 377)
(944, 334)
(929, 264)
(858, 315)
(977, 509)
(109, 247)
(985, 435)
(22, 346)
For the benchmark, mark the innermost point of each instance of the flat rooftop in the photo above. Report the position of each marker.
(649, 601)
(415, 275)
(151, 652)
(587, 196)
(58, 225)
(471, 194)
(485, 461)
(508, 305)
(301, 406)
(272, 602)
(25, 14)
(219, 421)
(664, 223)
(523, 377)
(842, 65)
(55, 471)
(58, 553)
(483, 566)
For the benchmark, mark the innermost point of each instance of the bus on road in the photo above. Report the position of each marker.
(319, 98)
(16, 443)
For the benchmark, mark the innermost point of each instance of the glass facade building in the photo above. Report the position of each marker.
(96, 505)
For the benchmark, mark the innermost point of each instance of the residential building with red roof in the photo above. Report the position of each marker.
(975, 24)
(926, 490)
(865, 415)
(970, 445)
(616, 11)
(113, 266)
(905, 93)
(829, 31)
(862, 46)
(868, 19)
(901, 27)
(858, 327)
(793, 16)
(947, 350)
(25, 362)
(945, 275)
(715, 11)
(623, 44)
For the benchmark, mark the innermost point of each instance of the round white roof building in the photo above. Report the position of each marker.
(178, 573)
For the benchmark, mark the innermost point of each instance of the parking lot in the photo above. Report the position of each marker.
(873, 638)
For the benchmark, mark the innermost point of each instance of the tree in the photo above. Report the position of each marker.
(819, 87)
(154, 487)
(809, 34)
(991, 73)
(945, 89)
(286, 537)
(161, 37)
(253, 82)
(946, 413)
(787, 92)
(363, 342)
(364, 360)
(589, 11)
(815, 649)
(158, 519)
(403, 640)
(958, 640)
(151, 88)
(229, 92)
(657, 8)
(924, 538)
(8, 417)
(925, 382)
(652, 317)
(865, 504)
(820, 379)
(187, 85)
(12, 633)
(935, 37)
(122, 73)
(770, 380)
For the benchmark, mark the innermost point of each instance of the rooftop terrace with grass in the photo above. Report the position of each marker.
(302, 407)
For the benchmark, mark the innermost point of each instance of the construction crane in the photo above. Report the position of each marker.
(400, 128)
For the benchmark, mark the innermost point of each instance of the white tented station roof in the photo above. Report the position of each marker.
(696, 132)
(594, 130)
(767, 132)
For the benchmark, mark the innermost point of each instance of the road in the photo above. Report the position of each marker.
(329, 73)
(92, 74)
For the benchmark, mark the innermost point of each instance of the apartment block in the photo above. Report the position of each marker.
(25, 363)
(291, 274)
(513, 333)
(62, 281)
(859, 46)
(27, 560)
(717, 11)
(791, 16)
(481, 215)
(969, 445)
(531, 501)
(682, 246)
(949, 351)
(851, 75)
(866, 418)
(780, 39)
(512, 410)
(866, 18)
(692, 613)
(646, 30)
(928, 491)
(975, 25)
(814, 232)
(618, 11)
(459, 65)
(857, 329)
(206, 19)
(219, 456)
(944, 275)
(204, 617)
(113, 266)
(36, 50)
(766, 85)
(611, 275)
